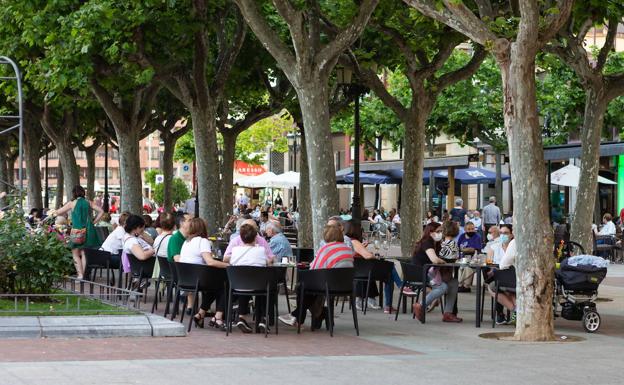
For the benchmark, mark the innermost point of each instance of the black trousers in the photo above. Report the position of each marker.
(208, 297)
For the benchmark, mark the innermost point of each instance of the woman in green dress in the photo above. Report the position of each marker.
(80, 209)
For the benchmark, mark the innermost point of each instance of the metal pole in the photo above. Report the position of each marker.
(356, 209)
(18, 79)
(106, 203)
(295, 170)
(549, 197)
(47, 187)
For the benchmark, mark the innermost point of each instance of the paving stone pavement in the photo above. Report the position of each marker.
(386, 352)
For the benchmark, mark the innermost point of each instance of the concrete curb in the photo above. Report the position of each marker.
(142, 325)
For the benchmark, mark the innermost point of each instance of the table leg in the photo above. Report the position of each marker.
(478, 318)
(424, 293)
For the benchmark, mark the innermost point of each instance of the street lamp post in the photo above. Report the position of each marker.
(106, 202)
(47, 185)
(292, 144)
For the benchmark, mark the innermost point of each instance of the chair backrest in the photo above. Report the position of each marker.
(304, 254)
(97, 258)
(99, 231)
(206, 278)
(165, 268)
(144, 269)
(382, 270)
(363, 267)
(411, 272)
(506, 277)
(174, 270)
(366, 226)
(253, 278)
(338, 280)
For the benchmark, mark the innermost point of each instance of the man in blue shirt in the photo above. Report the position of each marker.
(279, 243)
(469, 243)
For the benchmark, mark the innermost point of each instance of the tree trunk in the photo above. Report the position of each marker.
(67, 160)
(60, 178)
(90, 154)
(498, 184)
(130, 170)
(32, 152)
(313, 100)
(595, 107)
(432, 185)
(304, 233)
(167, 169)
(3, 177)
(411, 188)
(534, 238)
(227, 174)
(207, 160)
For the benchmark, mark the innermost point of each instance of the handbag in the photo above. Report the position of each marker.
(78, 236)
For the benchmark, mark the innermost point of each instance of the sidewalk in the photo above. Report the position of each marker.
(386, 352)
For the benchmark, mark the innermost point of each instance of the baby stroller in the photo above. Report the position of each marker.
(576, 289)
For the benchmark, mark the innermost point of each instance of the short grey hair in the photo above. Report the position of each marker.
(459, 202)
(492, 199)
(274, 226)
(336, 218)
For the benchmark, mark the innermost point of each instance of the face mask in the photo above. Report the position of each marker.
(504, 238)
(437, 237)
(490, 237)
(470, 233)
(470, 215)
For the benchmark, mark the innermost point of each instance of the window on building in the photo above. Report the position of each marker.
(154, 153)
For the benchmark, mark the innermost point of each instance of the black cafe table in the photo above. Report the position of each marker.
(479, 268)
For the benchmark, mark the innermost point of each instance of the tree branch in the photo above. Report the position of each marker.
(554, 21)
(463, 73)
(106, 101)
(227, 54)
(608, 45)
(403, 46)
(265, 34)
(326, 58)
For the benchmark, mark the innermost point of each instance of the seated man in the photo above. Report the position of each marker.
(469, 244)
(278, 242)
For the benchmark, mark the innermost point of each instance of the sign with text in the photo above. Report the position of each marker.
(248, 169)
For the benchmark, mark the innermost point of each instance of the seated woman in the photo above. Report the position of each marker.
(134, 243)
(504, 253)
(334, 254)
(249, 253)
(425, 252)
(197, 249)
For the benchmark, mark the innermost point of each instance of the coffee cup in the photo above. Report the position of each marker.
(285, 260)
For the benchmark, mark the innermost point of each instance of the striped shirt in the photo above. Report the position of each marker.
(333, 255)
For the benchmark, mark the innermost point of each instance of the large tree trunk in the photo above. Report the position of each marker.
(227, 172)
(60, 187)
(534, 238)
(130, 170)
(207, 160)
(313, 100)
(167, 169)
(67, 160)
(498, 183)
(32, 152)
(595, 107)
(411, 188)
(90, 155)
(304, 233)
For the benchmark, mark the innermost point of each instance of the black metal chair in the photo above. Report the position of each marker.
(102, 233)
(195, 278)
(165, 276)
(253, 281)
(142, 272)
(412, 276)
(98, 259)
(330, 283)
(505, 280)
(605, 248)
(371, 270)
(302, 255)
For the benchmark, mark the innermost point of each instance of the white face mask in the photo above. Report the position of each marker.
(490, 237)
(437, 237)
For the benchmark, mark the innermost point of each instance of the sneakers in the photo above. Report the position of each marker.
(512, 319)
(408, 291)
(288, 319)
(372, 304)
(450, 317)
(358, 304)
(243, 326)
(262, 327)
(418, 312)
(433, 305)
(501, 319)
(389, 310)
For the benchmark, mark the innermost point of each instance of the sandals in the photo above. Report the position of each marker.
(216, 323)
(199, 320)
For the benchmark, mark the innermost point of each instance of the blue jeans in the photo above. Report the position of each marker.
(389, 287)
(448, 288)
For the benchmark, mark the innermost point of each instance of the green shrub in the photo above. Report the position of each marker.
(30, 261)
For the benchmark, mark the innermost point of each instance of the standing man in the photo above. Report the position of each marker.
(189, 205)
(491, 214)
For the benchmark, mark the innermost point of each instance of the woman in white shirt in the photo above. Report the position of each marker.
(608, 228)
(197, 249)
(166, 224)
(506, 252)
(249, 254)
(133, 243)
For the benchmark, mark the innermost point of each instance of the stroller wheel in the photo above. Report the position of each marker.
(591, 321)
